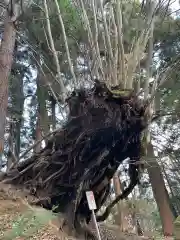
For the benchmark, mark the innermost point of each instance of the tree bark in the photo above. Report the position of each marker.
(41, 96)
(53, 114)
(6, 56)
(174, 211)
(117, 188)
(19, 122)
(10, 143)
(160, 194)
(156, 178)
(122, 208)
(38, 133)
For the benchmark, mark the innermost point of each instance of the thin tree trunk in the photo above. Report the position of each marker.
(41, 95)
(160, 194)
(136, 222)
(154, 171)
(55, 54)
(6, 56)
(19, 122)
(121, 206)
(139, 228)
(53, 113)
(18, 126)
(150, 9)
(10, 145)
(38, 133)
(11, 157)
(42, 124)
(175, 213)
(117, 188)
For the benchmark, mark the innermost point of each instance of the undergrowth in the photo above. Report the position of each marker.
(29, 223)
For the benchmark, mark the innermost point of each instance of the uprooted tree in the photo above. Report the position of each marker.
(104, 126)
(102, 130)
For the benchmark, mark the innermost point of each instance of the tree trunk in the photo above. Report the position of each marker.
(18, 126)
(42, 95)
(10, 145)
(19, 122)
(160, 194)
(117, 188)
(53, 114)
(122, 208)
(174, 211)
(154, 171)
(38, 132)
(6, 56)
(139, 228)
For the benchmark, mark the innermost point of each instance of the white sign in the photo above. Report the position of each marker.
(91, 200)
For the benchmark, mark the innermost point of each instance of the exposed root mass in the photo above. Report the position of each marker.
(101, 132)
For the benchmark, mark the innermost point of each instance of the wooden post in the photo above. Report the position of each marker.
(92, 207)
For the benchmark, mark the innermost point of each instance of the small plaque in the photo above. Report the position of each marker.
(91, 200)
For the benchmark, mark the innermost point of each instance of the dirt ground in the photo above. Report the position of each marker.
(15, 215)
(20, 221)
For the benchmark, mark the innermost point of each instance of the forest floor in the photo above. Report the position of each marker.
(20, 221)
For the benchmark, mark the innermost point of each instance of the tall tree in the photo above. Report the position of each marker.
(6, 58)
(117, 188)
(12, 13)
(160, 194)
(154, 170)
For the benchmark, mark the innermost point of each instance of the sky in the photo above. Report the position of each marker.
(175, 4)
